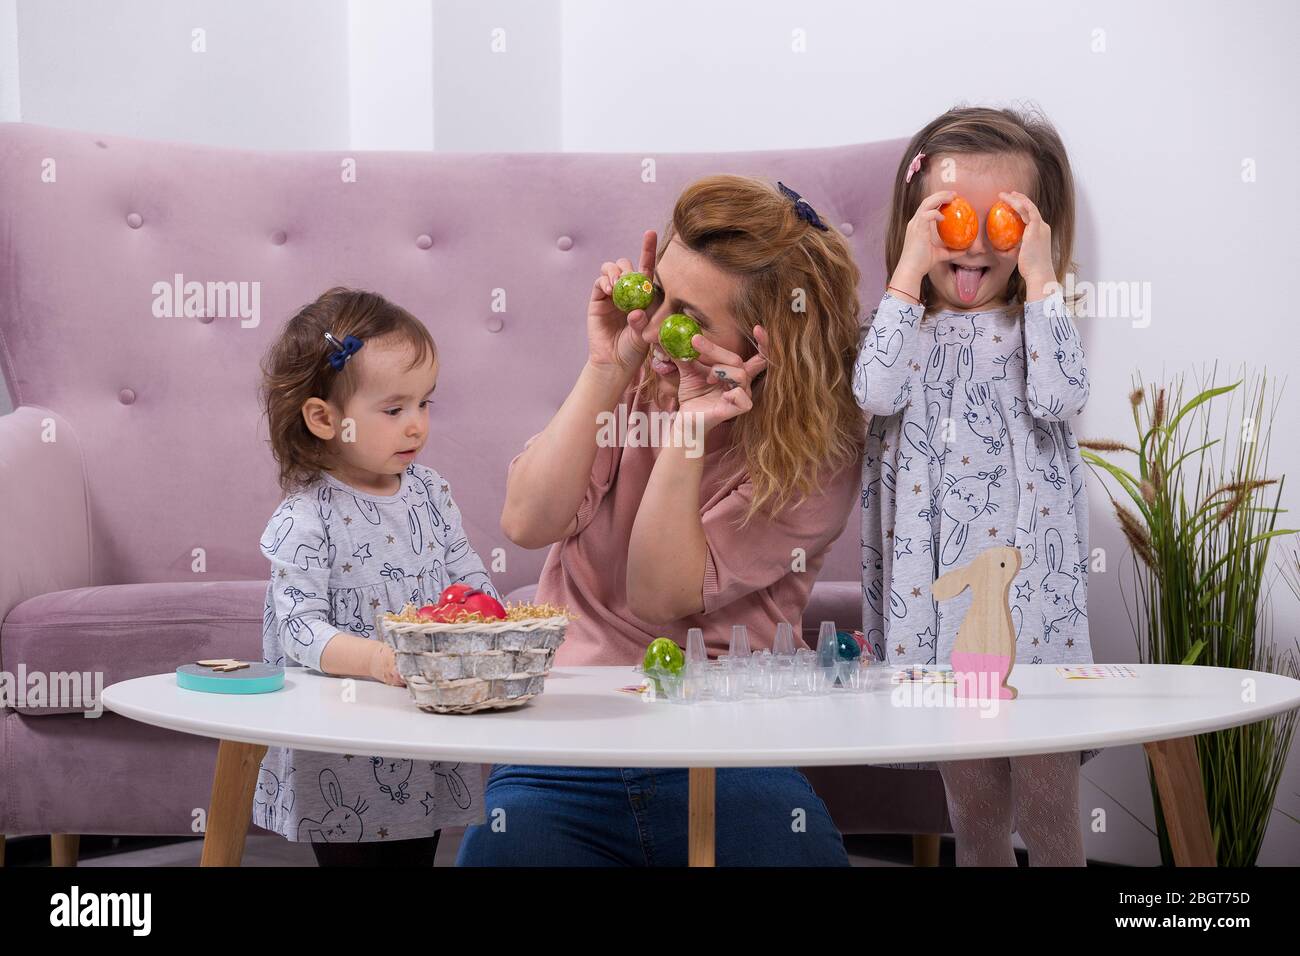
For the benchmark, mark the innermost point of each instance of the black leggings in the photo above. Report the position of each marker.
(417, 852)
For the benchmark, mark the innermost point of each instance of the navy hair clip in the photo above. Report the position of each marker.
(346, 349)
(802, 207)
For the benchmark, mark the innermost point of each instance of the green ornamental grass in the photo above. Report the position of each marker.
(1200, 516)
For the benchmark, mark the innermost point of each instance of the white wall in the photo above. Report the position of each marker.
(1159, 111)
(9, 103)
(496, 67)
(390, 74)
(272, 75)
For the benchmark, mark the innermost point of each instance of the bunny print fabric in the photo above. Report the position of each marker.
(340, 557)
(970, 447)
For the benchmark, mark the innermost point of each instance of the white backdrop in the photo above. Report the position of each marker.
(1165, 108)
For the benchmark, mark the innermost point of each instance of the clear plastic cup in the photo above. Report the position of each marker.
(664, 683)
(685, 687)
(767, 678)
(758, 662)
(783, 645)
(823, 680)
(739, 641)
(731, 682)
(783, 679)
(696, 653)
(828, 646)
(875, 675)
(854, 676)
(801, 668)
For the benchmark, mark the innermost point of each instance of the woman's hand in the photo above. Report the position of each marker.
(922, 247)
(1035, 261)
(383, 666)
(613, 339)
(718, 384)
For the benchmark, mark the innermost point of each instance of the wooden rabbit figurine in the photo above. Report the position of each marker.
(985, 649)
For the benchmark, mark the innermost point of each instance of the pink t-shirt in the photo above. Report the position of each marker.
(747, 572)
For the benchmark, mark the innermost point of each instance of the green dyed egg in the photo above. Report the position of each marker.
(633, 291)
(663, 653)
(675, 336)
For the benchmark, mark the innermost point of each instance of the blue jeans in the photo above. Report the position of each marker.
(578, 816)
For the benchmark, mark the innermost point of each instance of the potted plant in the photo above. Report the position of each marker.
(1200, 517)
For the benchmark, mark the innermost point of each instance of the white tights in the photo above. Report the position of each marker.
(1038, 796)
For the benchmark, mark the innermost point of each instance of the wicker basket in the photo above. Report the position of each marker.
(477, 665)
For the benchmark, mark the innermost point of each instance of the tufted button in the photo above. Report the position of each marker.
(205, 318)
(494, 324)
(135, 220)
(279, 237)
(424, 240)
(846, 228)
(564, 243)
(126, 396)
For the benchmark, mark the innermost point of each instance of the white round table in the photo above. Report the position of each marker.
(582, 719)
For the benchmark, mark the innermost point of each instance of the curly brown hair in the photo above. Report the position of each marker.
(805, 424)
(296, 367)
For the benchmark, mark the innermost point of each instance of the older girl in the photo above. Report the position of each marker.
(972, 369)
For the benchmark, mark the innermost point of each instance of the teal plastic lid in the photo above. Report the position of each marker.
(256, 678)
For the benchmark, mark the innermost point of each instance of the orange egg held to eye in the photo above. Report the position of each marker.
(1004, 225)
(959, 226)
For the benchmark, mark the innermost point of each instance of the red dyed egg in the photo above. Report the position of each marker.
(1004, 226)
(455, 594)
(959, 226)
(485, 604)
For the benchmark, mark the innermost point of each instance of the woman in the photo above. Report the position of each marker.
(726, 519)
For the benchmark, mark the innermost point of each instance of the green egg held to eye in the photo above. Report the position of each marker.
(633, 291)
(675, 336)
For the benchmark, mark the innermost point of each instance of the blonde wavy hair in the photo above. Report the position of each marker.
(805, 424)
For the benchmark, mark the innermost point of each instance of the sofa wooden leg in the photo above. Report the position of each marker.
(925, 849)
(2, 849)
(64, 848)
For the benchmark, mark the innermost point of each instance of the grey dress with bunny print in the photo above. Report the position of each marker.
(339, 557)
(969, 447)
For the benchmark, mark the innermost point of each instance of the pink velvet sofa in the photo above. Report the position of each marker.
(136, 478)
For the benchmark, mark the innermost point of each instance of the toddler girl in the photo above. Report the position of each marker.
(972, 369)
(363, 530)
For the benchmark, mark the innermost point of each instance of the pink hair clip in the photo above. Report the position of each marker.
(914, 167)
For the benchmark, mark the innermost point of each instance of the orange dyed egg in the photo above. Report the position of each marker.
(959, 226)
(1004, 225)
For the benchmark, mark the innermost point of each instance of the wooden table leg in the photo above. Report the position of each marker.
(703, 802)
(1182, 800)
(64, 848)
(925, 849)
(231, 805)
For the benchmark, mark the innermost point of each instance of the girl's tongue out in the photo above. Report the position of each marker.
(968, 281)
